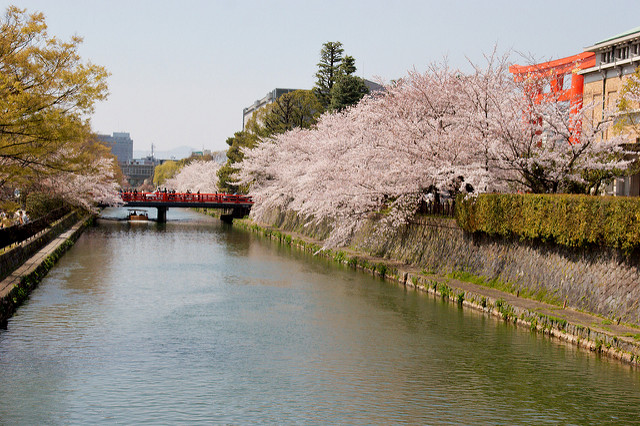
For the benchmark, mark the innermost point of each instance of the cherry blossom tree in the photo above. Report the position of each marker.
(46, 95)
(96, 185)
(197, 176)
(533, 141)
(441, 130)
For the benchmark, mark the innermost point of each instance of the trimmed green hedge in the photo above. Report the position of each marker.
(568, 220)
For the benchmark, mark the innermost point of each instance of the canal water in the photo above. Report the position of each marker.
(196, 322)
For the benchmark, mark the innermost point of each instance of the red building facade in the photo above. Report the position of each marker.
(557, 81)
(565, 84)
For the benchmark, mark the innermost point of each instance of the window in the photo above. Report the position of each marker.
(623, 52)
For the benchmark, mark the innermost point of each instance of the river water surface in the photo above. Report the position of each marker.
(194, 321)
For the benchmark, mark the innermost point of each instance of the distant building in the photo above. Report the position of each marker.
(373, 86)
(138, 170)
(269, 98)
(121, 145)
(202, 153)
(616, 57)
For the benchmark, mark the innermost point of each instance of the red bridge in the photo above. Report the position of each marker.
(233, 205)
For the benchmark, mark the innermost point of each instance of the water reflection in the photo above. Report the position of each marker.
(193, 321)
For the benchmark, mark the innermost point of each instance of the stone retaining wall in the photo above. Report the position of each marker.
(15, 288)
(600, 281)
(12, 258)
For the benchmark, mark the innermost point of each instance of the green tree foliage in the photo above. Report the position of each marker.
(299, 108)
(46, 93)
(347, 91)
(165, 171)
(39, 204)
(240, 140)
(348, 66)
(336, 86)
(628, 104)
(328, 71)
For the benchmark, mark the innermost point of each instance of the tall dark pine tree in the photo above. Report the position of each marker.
(348, 89)
(328, 71)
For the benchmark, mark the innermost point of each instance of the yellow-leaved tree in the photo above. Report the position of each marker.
(46, 96)
(629, 104)
(165, 171)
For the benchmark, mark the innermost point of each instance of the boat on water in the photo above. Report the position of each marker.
(138, 215)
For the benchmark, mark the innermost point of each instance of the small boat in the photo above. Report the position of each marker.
(135, 215)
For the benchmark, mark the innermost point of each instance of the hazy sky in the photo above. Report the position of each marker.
(182, 71)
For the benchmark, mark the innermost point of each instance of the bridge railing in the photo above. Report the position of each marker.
(185, 197)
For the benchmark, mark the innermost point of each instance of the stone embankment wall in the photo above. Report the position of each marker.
(600, 281)
(12, 258)
(28, 262)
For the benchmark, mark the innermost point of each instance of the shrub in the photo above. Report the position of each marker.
(567, 220)
(39, 204)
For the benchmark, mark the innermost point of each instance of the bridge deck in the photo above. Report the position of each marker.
(202, 204)
(235, 206)
(162, 199)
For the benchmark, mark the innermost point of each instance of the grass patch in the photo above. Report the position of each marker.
(382, 269)
(339, 256)
(540, 295)
(505, 309)
(635, 336)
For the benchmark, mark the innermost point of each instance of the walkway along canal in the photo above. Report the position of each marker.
(194, 321)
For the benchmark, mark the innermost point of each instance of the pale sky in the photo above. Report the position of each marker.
(182, 71)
